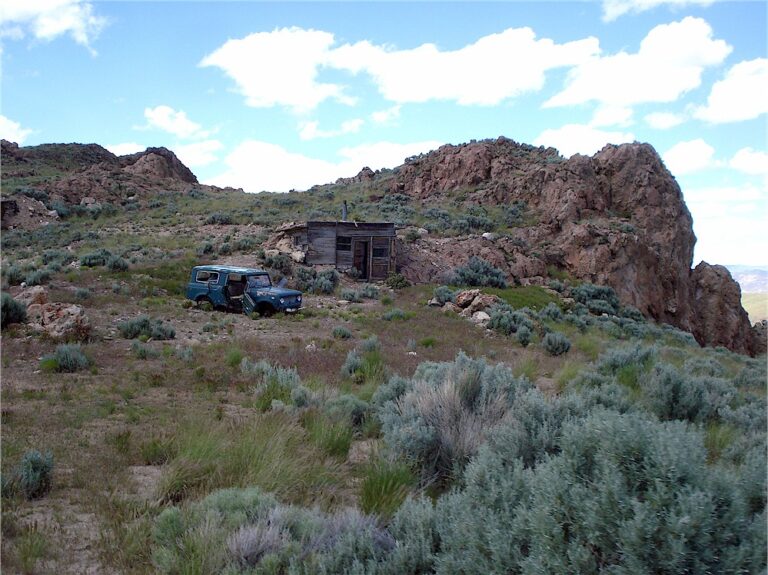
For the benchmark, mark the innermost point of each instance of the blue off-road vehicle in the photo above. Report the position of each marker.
(239, 289)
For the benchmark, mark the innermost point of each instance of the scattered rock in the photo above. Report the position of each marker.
(32, 295)
(466, 297)
(480, 317)
(59, 320)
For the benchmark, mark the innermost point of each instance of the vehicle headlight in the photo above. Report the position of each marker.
(282, 300)
(298, 298)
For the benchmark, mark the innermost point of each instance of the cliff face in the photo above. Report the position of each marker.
(617, 218)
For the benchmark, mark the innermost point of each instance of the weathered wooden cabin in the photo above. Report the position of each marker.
(369, 247)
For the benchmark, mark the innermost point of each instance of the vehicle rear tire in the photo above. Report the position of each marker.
(204, 303)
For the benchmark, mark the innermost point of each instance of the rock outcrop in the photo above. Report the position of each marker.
(617, 218)
(88, 170)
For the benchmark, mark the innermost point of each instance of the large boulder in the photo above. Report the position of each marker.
(721, 320)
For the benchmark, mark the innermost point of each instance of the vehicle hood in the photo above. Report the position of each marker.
(277, 291)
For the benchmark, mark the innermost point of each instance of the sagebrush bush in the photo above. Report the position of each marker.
(67, 358)
(478, 272)
(34, 474)
(369, 291)
(219, 219)
(506, 320)
(38, 277)
(276, 384)
(523, 336)
(348, 409)
(394, 314)
(117, 264)
(350, 295)
(145, 326)
(12, 311)
(551, 311)
(672, 395)
(556, 343)
(445, 413)
(98, 258)
(595, 503)
(444, 294)
(341, 332)
(598, 299)
(309, 280)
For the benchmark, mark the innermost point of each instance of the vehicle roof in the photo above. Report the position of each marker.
(229, 269)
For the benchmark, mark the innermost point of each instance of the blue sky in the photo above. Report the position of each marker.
(279, 96)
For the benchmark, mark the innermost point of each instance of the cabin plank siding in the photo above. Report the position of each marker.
(322, 246)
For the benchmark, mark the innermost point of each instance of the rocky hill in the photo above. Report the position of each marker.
(617, 218)
(83, 174)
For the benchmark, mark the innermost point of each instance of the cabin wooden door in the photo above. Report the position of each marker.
(360, 258)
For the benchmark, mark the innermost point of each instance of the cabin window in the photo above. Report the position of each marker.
(344, 244)
(381, 249)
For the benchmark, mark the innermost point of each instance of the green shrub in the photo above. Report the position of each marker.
(145, 326)
(523, 335)
(598, 299)
(34, 474)
(142, 351)
(394, 314)
(280, 262)
(68, 358)
(506, 320)
(444, 294)
(98, 258)
(556, 343)
(276, 385)
(218, 219)
(348, 409)
(38, 277)
(117, 264)
(614, 482)
(439, 419)
(308, 280)
(369, 291)
(551, 311)
(350, 295)
(12, 311)
(396, 281)
(479, 272)
(341, 332)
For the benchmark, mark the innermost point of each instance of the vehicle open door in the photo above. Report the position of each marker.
(249, 306)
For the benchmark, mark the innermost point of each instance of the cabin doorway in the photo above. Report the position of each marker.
(360, 259)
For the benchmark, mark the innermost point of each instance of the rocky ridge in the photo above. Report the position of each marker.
(617, 218)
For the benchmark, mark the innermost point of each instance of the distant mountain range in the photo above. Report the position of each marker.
(752, 279)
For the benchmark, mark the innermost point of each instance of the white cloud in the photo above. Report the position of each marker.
(470, 75)
(386, 116)
(729, 223)
(580, 139)
(484, 73)
(311, 130)
(750, 161)
(279, 68)
(741, 95)
(169, 120)
(688, 157)
(664, 120)
(49, 19)
(125, 148)
(668, 64)
(199, 153)
(261, 166)
(612, 9)
(12, 131)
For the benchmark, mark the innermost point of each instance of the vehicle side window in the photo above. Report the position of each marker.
(207, 277)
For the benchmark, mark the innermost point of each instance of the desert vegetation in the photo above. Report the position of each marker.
(370, 433)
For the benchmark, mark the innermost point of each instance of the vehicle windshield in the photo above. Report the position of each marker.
(259, 281)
